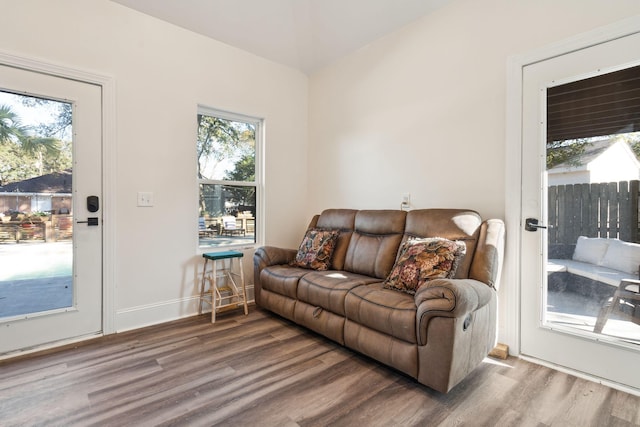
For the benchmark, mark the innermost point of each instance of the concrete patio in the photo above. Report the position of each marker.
(35, 277)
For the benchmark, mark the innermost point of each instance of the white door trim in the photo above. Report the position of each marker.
(108, 166)
(510, 327)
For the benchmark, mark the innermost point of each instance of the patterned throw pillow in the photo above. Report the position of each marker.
(316, 249)
(421, 260)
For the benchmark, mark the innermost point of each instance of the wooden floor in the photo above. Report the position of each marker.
(261, 370)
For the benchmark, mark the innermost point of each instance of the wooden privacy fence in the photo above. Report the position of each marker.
(607, 210)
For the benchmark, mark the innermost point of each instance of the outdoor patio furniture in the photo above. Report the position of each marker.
(32, 230)
(625, 303)
(230, 227)
(8, 232)
(203, 231)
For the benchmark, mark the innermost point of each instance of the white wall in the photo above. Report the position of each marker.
(568, 176)
(618, 163)
(162, 73)
(422, 111)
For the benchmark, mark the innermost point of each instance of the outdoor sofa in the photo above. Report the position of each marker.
(596, 267)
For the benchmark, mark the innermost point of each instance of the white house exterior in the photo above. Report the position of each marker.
(610, 160)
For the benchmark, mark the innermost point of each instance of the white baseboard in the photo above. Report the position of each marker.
(161, 312)
(612, 384)
(153, 314)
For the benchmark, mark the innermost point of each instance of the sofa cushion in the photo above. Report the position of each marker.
(385, 348)
(390, 312)
(424, 259)
(282, 279)
(452, 224)
(327, 289)
(338, 219)
(590, 249)
(316, 249)
(374, 244)
(623, 256)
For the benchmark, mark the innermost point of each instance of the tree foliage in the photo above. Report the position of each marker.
(566, 152)
(10, 127)
(225, 152)
(633, 139)
(30, 151)
(62, 123)
(244, 170)
(570, 151)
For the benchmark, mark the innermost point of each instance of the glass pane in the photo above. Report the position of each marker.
(227, 215)
(226, 149)
(593, 239)
(36, 227)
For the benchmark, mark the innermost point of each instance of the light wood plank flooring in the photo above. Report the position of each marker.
(261, 370)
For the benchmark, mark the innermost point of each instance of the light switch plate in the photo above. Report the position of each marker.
(405, 205)
(145, 198)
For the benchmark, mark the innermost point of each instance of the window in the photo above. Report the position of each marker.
(228, 178)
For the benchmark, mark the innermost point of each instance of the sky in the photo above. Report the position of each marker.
(30, 115)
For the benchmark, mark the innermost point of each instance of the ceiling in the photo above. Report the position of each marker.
(303, 34)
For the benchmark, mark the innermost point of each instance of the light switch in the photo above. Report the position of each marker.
(145, 198)
(405, 205)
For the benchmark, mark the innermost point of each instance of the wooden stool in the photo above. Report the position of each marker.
(221, 294)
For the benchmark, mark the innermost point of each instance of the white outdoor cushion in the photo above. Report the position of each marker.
(556, 266)
(594, 272)
(623, 256)
(590, 249)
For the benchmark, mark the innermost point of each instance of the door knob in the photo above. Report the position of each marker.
(531, 224)
(90, 221)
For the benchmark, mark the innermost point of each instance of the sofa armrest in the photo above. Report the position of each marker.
(266, 256)
(448, 298)
(270, 255)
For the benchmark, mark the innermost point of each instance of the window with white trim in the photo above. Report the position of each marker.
(228, 146)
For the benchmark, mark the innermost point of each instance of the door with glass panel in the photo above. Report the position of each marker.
(50, 209)
(580, 241)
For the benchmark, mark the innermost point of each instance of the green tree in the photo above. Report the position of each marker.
(244, 170)
(217, 140)
(25, 153)
(566, 151)
(10, 127)
(225, 151)
(633, 139)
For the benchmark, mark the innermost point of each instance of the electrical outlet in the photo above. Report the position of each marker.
(145, 198)
(405, 205)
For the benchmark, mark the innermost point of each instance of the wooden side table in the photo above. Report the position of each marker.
(227, 292)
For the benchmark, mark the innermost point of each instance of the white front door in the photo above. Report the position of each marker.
(569, 341)
(51, 260)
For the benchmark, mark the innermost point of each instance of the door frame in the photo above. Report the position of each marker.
(510, 326)
(107, 84)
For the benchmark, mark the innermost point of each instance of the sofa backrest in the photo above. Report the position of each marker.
(337, 219)
(374, 243)
(370, 239)
(452, 224)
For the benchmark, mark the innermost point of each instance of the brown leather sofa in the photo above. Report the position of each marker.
(437, 336)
